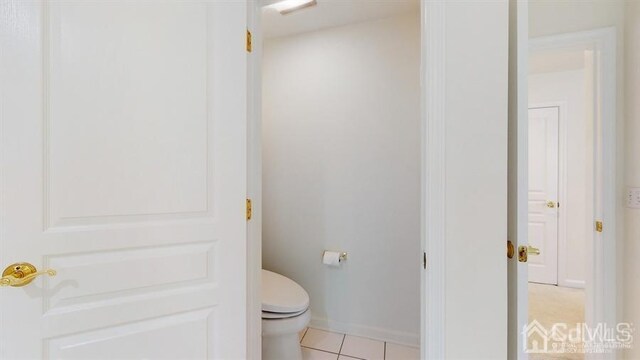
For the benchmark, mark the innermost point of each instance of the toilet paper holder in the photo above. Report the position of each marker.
(343, 255)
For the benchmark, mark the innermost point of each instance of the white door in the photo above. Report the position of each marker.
(543, 194)
(123, 149)
(465, 195)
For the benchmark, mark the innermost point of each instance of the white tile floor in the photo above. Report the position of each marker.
(326, 345)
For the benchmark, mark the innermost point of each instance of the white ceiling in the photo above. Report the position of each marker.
(329, 13)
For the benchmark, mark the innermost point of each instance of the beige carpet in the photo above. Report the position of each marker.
(549, 304)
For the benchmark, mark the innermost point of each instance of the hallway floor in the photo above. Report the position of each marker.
(326, 345)
(549, 304)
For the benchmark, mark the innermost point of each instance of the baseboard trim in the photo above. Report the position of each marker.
(398, 337)
(577, 284)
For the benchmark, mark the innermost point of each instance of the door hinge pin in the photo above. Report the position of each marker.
(249, 45)
(424, 260)
(599, 226)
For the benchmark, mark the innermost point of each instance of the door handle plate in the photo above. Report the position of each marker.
(523, 255)
(21, 274)
(525, 251)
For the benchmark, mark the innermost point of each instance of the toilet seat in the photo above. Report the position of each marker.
(273, 315)
(282, 297)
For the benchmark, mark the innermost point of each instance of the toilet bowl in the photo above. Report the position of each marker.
(285, 312)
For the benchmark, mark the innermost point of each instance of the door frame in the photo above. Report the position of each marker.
(433, 183)
(517, 174)
(254, 180)
(601, 289)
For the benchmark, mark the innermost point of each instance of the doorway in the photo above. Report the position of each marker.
(570, 170)
(453, 210)
(340, 159)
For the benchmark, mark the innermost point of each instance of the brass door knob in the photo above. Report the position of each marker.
(533, 251)
(510, 249)
(525, 251)
(551, 204)
(21, 274)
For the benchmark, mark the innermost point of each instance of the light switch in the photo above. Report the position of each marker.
(633, 198)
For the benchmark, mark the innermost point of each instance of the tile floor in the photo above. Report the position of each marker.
(326, 345)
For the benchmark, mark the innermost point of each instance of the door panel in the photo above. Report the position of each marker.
(472, 125)
(182, 336)
(127, 108)
(543, 187)
(123, 150)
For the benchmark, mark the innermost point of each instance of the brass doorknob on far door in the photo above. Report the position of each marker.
(21, 274)
(533, 251)
(551, 204)
(525, 251)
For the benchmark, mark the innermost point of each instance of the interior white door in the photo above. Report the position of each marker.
(543, 194)
(465, 178)
(123, 149)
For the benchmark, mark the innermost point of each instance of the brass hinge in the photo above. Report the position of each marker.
(249, 210)
(249, 47)
(599, 226)
(424, 259)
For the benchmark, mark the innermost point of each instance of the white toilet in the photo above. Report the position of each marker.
(285, 312)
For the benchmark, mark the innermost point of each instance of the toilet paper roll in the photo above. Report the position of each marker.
(331, 258)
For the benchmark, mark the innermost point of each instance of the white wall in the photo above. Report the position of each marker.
(632, 171)
(341, 132)
(555, 17)
(576, 131)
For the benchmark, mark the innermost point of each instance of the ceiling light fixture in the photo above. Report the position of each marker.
(289, 6)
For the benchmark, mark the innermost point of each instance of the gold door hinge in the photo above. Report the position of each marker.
(249, 210)
(599, 226)
(249, 47)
